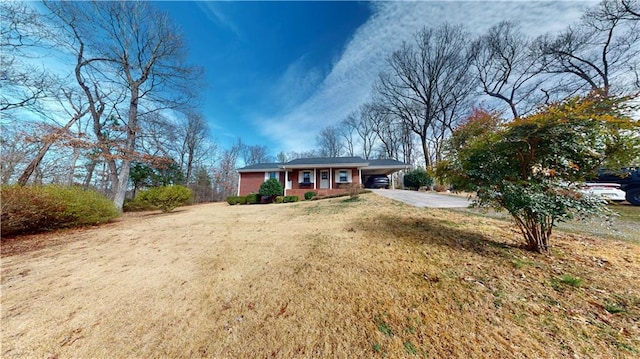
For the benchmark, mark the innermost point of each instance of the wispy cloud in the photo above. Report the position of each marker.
(214, 14)
(349, 82)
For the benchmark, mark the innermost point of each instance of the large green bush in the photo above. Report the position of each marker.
(271, 188)
(417, 178)
(42, 208)
(166, 198)
(532, 167)
(309, 195)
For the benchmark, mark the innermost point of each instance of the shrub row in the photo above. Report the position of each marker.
(309, 195)
(254, 198)
(287, 199)
(42, 208)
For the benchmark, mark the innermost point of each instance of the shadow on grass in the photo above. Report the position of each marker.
(437, 232)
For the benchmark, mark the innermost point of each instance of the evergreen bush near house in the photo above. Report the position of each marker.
(288, 199)
(253, 198)
(271, 188)
(232, 200)
(279, 199)
(166, 198)
(309, 195)
(42, 208)
(417, 178)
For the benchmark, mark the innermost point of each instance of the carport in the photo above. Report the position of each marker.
(383, 167)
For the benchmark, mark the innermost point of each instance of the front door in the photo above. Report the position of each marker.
(324, 179)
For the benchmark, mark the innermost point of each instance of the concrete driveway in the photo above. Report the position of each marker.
(424, 199)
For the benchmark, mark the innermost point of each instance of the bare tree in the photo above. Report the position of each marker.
(423, 78)
(507, 68)
(254, 154)
(144, 52)
(328, 141)
(347, 128)
(195, 135)
(53, 134)
(365, 129)
(595, 54)
(225, 177)
(22, 34)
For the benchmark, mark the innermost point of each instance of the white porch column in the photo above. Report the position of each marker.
(286, 180)
(315, 178)
(359, 176)
(239, 179)
(330, 178)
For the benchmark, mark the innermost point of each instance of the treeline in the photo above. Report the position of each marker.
(116, 108)
(434, 82)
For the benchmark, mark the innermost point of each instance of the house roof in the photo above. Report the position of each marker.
(386, 164)
(262, 167)
(326, 161)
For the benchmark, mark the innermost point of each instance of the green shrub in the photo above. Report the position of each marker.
(279, 199)
(271, 188)
(417, 178)
(42, 208)
(253, 198)
(236, 200)
(136, 205)
(288, 199)
(166, 198)
(309, 195)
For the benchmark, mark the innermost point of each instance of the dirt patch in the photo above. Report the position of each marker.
(317, 279)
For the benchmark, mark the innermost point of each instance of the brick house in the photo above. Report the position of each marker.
(322, 175)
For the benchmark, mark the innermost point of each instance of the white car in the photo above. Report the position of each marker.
(608, 191)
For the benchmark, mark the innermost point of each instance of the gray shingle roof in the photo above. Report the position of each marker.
(261, 167)
(326, 161)
(386, 162)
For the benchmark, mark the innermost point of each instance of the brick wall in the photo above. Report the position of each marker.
(250, 182)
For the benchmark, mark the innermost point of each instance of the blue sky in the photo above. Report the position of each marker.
(278, 72)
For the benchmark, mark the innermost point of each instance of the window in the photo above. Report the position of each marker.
(343, 177)
(273, 175)
(306, 177)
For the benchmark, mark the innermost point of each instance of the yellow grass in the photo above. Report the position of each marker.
(329, 278)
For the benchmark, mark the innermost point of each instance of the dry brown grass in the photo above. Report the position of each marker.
(325, 278)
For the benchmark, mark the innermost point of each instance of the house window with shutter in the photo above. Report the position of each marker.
(343, 176)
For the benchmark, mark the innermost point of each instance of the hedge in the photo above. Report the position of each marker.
(41, 208)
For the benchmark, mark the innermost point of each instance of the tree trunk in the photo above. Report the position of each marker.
(72, 170)
(90, 170)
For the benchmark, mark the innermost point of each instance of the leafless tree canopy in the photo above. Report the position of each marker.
(329, 142)
(427, 81)
(507, 68)
(598, 53)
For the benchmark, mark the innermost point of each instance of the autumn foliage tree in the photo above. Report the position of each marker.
(531, 166)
